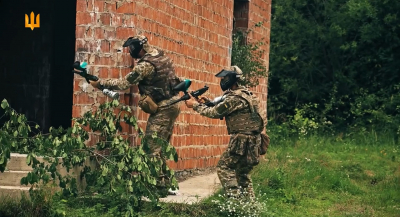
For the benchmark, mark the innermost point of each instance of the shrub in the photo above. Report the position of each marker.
(125, 173)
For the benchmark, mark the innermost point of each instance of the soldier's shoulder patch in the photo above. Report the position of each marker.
(223, 107)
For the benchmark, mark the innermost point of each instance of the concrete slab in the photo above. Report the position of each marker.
(195, 189)
(13, 191)
(12, 178)
(18, 162)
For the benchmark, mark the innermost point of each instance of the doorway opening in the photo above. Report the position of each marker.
(240, 15)
(35, 65)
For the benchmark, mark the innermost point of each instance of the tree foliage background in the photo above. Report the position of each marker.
(335, 62)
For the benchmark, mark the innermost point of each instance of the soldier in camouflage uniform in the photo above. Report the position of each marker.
(244, 123)
(155, 76)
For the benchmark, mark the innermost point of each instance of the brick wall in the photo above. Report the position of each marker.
(195, 34)
(260, 11)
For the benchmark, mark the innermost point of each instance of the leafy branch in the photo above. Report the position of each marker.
(248, 56)
(121, 171)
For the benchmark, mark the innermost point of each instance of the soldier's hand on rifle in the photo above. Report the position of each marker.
(190, 102)
(95, 84)
(203, 99)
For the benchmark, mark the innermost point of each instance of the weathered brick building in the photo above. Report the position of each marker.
(196, 34)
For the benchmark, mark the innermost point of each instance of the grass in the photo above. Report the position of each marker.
(331, 177)
(314, 176)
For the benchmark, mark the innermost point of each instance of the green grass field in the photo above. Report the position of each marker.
(323, 177)
(308, 177)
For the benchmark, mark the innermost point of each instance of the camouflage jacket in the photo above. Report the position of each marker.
(143, 70)
(233, 105)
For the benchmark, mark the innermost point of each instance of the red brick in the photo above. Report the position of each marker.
(124, 33)
(90, 5)
(83, 99)
(99, 32)
(110, 7)
(76, 111)
(80, 45)
(105, 46)
(89, 32)
(126, 128)
(101, 98)
(127, 98)
(126, 7)
(115, 73)
(103, 72)
(165, 19)
(130, 20)
(104, 61)
(76, 84)
(105, 19)
(80, 31)
(117, 20)
(99, 6)
(84, 18)
(81, 5)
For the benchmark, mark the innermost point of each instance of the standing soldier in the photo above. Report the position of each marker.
(245, 124)
(155, 76)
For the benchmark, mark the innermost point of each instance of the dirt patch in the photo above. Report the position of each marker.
(369, 173)
(183, 175)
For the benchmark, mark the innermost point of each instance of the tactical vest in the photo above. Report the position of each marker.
(247, 120)
(159, 87)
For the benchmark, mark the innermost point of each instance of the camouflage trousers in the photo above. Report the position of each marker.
(236, 163)
(161, 123)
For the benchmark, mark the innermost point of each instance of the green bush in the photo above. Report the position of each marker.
(247, 55)
(339, 55)
(125, 173)
(39, 204)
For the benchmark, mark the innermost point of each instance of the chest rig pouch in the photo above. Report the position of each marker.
(156, 88)
(147, 104)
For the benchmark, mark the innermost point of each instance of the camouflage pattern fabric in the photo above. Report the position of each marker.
(250, 119)
(242, 153)
(161, 123)
(233, 169)
(140, 71)
(159, 87)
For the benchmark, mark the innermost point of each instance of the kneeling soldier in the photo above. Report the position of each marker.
(244, 122)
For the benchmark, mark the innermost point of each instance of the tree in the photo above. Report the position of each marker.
(341, 55)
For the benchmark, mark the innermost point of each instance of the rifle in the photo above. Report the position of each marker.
(80, 69)
(184, 86)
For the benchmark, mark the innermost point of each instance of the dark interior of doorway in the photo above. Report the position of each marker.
(35, 65)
